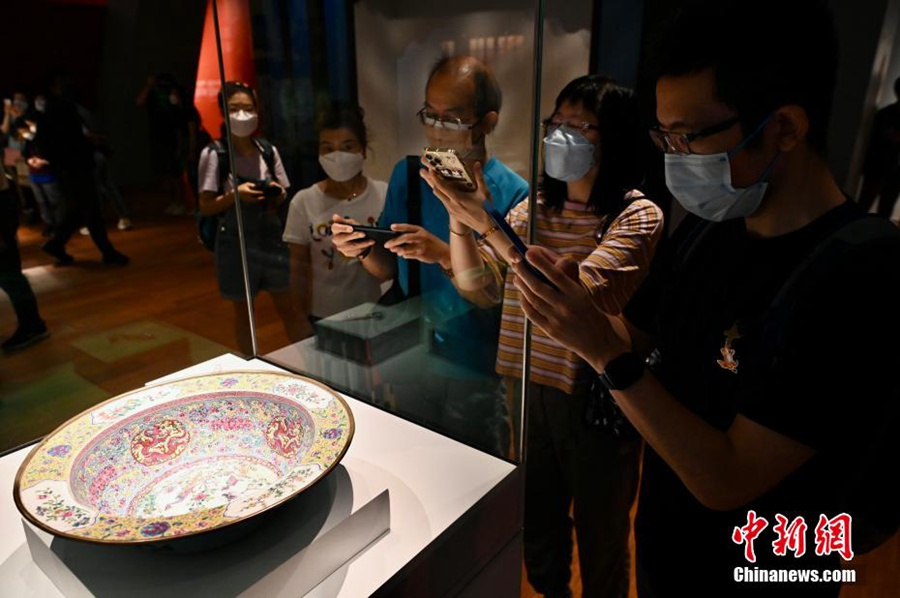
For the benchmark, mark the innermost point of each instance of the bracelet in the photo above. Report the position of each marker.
(453, 232)
(483, 239)
(365, 253)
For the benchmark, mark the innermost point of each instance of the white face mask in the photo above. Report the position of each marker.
(568, 155)
(341, 166)
(40, 105)
(243, 123)
(702, 184)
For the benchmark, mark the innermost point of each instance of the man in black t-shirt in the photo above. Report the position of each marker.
(753, 444)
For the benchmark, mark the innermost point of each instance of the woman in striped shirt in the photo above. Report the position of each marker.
(589, 213)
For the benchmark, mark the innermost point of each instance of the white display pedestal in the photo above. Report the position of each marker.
(453, 514)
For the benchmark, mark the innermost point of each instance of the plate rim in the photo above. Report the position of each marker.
(30, 517)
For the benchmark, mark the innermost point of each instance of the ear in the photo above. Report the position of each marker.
(791, 125)
(489, 122)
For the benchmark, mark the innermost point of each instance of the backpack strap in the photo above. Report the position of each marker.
(267, 150)
(224, 165)
(414, 216)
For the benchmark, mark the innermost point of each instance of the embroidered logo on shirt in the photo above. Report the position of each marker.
(728, 361)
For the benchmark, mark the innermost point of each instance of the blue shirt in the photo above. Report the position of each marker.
(465, 334)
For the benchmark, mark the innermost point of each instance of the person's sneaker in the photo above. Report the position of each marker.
(115, 258)
(62, 258)
(124, 224)
(84, 231)
(178, 210)
(24, 337)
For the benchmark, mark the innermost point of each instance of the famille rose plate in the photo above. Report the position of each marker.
(183, 457)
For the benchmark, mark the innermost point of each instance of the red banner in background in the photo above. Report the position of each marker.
(237, 56)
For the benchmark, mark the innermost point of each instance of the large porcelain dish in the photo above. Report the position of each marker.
(184, 457)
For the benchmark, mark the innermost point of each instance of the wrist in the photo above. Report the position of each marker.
(458, 228)
(622, 371)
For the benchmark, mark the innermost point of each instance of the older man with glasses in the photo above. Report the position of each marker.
(461, 108)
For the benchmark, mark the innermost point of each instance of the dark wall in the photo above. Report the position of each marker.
(42, 35)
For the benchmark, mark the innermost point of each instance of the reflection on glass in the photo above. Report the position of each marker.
(261, 188)
(372, 291)
(324, 281)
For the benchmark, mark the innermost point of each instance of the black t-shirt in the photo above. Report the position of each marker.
(826, 389)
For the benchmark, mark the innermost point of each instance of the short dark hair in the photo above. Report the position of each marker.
(344, 116)
(621, 167)
(764, 54)
(232, 88)
(488, 97)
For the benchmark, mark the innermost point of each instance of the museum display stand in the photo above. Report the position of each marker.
(408, 512)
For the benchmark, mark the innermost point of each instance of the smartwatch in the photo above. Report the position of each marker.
(623, 371)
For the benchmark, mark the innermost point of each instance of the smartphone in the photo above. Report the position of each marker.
(519, 245)
(379, 235)
(447, 164)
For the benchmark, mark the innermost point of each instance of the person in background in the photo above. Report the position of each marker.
(881, 170)
(60, 140)
(262, 185)
(31, 327)
(168, 139)
(106, 186)
(44, 184)
(13, 109)
(324, 281)
(590, 212)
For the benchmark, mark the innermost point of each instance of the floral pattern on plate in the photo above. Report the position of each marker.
(183, 457)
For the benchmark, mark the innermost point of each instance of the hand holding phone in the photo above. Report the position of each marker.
(517, 243)
(447, 164)
(269, 191)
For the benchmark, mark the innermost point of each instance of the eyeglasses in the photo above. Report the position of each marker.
(452, 124)
(680, 143)
(554, 122)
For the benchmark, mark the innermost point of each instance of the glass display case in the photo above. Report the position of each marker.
(277, 171)
(303, 79)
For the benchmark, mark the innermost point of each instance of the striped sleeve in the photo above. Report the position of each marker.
(615, 269)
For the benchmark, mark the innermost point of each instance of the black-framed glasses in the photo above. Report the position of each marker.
(554, 121)
(680, 143)
(430, 119)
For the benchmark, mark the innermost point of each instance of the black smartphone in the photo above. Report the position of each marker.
(519, 245)
(379, 235)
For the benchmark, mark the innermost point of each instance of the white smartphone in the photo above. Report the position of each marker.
(448, 166)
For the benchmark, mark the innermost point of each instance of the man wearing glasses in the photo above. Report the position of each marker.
(760, 421)
(462, 107)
